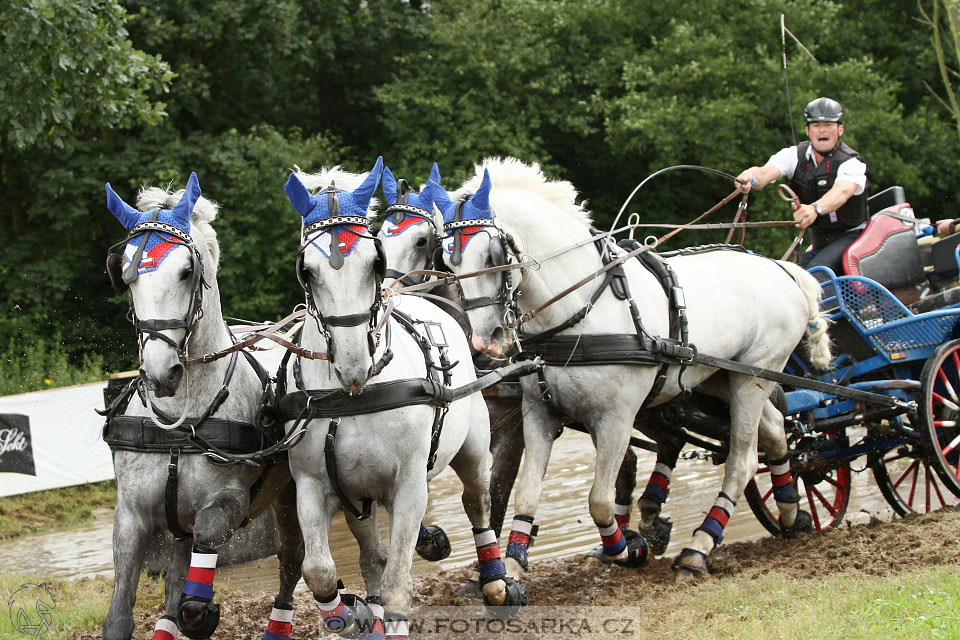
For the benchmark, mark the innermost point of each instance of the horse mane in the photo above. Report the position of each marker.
(204, 212)
(512, 173)
(342, 179)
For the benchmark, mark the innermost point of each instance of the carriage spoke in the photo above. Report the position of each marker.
(942, 375)
(813, 508)
(952, 405)
(947, 449)
(926, 480)
(833, 481)
(913, 483)
(766, 495)
(909, 468)
(826, 503)
(936, 487)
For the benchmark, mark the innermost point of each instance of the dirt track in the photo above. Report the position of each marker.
(878, 549)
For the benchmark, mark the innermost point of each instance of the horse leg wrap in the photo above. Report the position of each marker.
(613, 540)
(376, 628)
(280, 624)
(717, 518)
(658, 487)
(396, 626)
(345, 614)
(432, 543)
(488, 556)
(522, 534)
(691, 560)
(621, 513)
(166, 629)
(197, 614)
(783, 488)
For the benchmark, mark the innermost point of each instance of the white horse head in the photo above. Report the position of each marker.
(411, 227)
(488, 222)
(168, 266)
(339, 270)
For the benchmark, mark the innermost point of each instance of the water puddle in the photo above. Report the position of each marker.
(563, 517)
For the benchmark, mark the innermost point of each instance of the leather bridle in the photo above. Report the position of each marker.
(324, 322)
(123, 276)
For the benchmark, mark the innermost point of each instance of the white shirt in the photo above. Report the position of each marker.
(852, 170)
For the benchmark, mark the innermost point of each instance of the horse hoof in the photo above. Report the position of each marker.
(657, 535)
(197, 618)
(433, 544)
(689, 565)
(802, 524)
(359, 620)
(637, 550)
(516, 598)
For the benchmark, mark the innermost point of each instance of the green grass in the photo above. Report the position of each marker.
(80, 604)
(41, 364)
(921, 604)
(45, 510)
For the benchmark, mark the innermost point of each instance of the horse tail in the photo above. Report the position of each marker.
(817, 321)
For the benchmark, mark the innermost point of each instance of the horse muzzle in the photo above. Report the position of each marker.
(165, 384)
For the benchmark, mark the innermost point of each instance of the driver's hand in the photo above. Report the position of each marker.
(804, 215)
(945, 227)
(745, 181)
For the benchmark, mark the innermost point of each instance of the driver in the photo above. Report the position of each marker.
(830, 180)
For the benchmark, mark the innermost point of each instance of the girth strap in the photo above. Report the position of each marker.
(171, 497)
(138, 433)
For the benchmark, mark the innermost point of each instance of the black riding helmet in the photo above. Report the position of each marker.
(823, 110)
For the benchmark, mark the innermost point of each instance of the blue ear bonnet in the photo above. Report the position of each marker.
(178, 217)
(476, 208)
(316, 207)
(412, 198)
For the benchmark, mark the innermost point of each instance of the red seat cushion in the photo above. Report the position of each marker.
(886, 251)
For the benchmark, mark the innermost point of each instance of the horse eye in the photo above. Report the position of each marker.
(186, 273)
(421, 242)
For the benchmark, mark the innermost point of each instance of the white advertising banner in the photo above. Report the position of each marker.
(51, 439)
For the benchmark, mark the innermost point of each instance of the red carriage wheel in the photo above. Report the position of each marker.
(825, 494)
(940, 413)
(907, 481)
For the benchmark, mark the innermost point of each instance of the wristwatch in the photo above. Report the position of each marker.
(818, 209)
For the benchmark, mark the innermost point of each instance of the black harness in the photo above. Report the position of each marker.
(221, 440)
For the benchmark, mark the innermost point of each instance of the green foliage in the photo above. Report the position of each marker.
(601, 93)
(68, 67)
(44, 510)
(42, 364)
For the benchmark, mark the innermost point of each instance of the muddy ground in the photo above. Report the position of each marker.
(874, 549)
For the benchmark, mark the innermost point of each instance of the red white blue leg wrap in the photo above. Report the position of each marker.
(621, 513)
(166, 629)
(488, 553)
(522, 533)
(783, 488)
(336, 616)
(203, 566)
(376, 628)
(280, 625)
(396, 626)
(612, 536)
(658, 487)
(718, 517)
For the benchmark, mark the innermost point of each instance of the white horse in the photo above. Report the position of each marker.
(739, 306)
(363, 442)
(170, 263)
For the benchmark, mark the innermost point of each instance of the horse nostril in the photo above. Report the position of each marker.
(175, 376)
(496, 337)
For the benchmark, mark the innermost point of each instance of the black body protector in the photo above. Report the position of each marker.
(811, 181)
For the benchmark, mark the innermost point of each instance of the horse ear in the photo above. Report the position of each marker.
(435, 173)
(127, 215)
(437, 195)
(481, 199)
(184, 209)
(364, 192)
(299, 197)
(389, 186)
